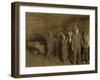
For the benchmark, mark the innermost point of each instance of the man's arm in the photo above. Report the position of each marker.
(72, 45)
(81, 40)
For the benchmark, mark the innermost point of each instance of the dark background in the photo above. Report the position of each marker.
(42, 22)
(37, 26)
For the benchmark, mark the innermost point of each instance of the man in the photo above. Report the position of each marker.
(70, 52)
(56, 45)
(85, 50)
(64, 48)
(76, 45)
(50, 42)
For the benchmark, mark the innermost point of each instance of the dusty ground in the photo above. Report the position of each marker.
(33, 60)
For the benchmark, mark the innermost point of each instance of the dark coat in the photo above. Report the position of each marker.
(77, 41)
(64, 50)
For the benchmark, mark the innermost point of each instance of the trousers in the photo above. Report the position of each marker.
(77, 56)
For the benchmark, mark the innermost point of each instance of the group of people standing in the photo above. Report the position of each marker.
(65, 44)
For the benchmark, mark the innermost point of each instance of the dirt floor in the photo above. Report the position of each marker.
(33, 60)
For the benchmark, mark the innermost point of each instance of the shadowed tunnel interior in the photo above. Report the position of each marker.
(37, 28)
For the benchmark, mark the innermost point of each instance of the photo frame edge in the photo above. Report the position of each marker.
(15, 35)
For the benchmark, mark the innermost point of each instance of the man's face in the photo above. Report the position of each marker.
(77, 31)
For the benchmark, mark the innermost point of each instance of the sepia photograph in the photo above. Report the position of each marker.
(56, 39)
